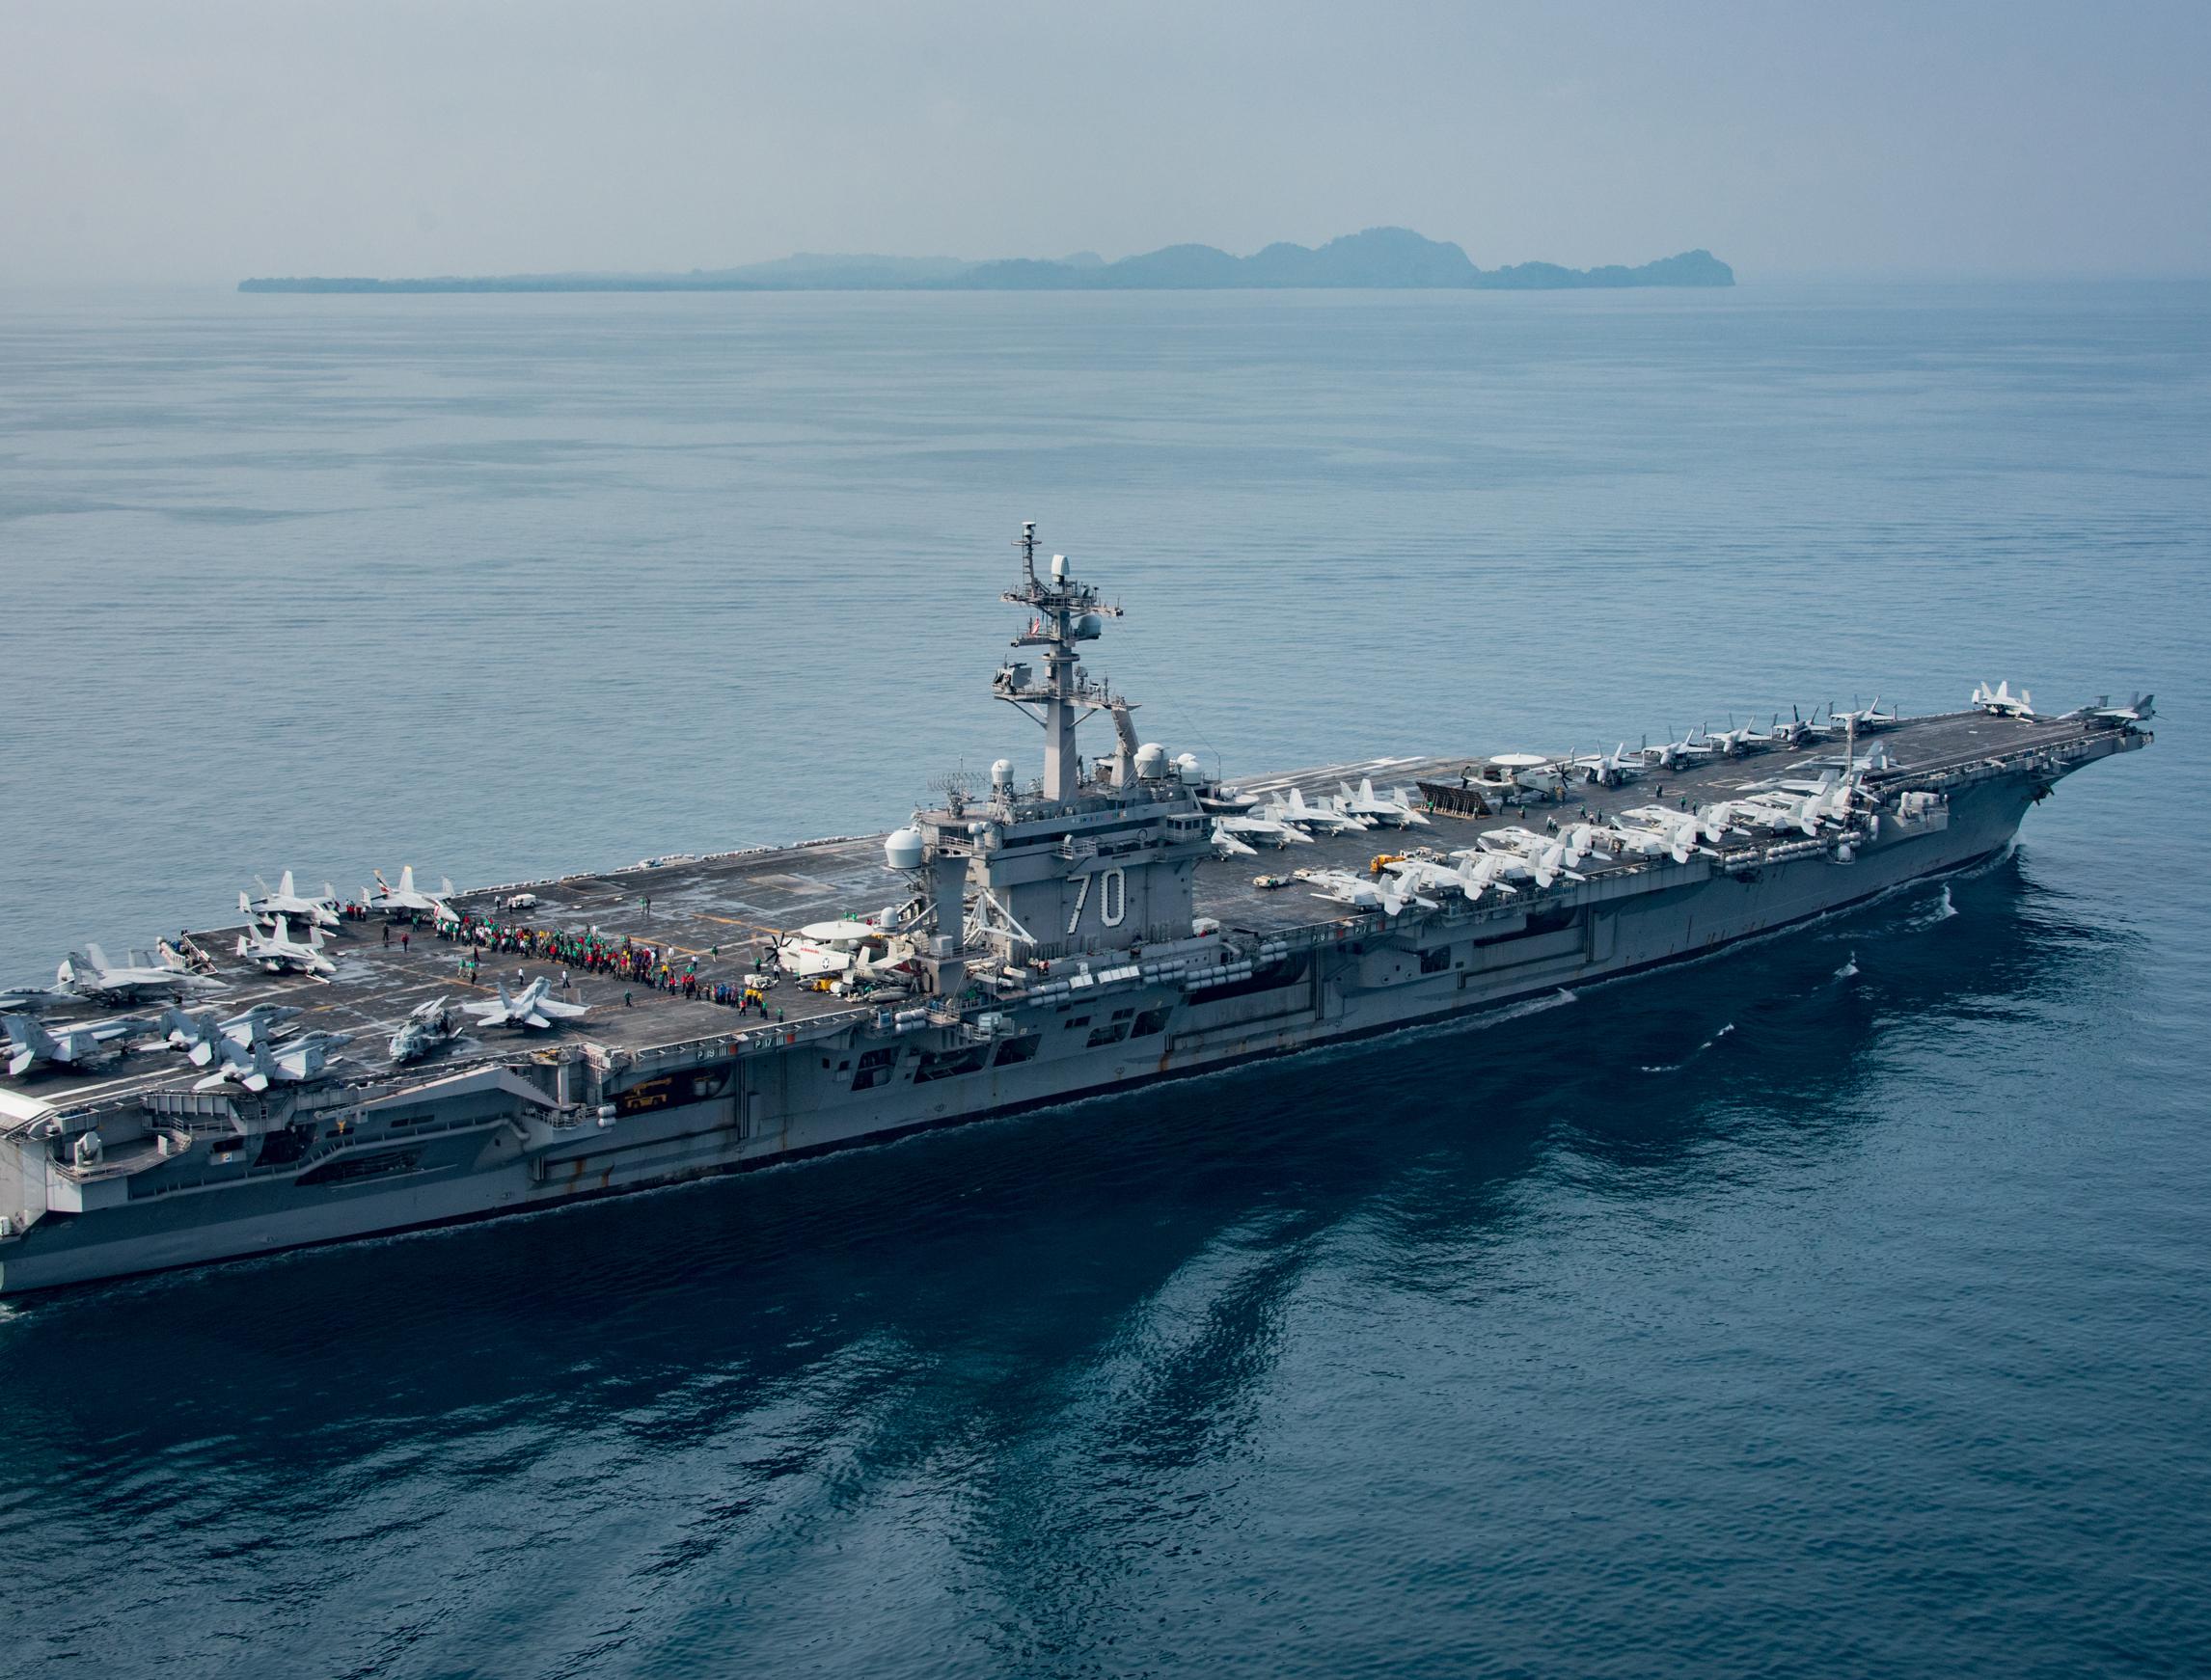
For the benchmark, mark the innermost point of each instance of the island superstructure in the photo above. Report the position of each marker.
(1114, 920)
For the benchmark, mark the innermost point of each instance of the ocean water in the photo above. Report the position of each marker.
(1842, 1305)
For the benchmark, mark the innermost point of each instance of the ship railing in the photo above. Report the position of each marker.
(720, 1047)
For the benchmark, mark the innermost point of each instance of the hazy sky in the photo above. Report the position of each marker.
(147, 142)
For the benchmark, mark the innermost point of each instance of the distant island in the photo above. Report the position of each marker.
(1378, 259)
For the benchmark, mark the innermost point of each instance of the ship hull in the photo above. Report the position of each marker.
(801, 1102)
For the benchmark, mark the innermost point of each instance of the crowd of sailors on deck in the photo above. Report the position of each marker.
(592, 952)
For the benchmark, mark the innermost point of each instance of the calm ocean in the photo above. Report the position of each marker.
(1843, 1305)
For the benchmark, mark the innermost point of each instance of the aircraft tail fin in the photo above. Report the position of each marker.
(28, 1041)
(25, 1031)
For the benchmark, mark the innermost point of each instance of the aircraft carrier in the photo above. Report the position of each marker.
(435, 1057)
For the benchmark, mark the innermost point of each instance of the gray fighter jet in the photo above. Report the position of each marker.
(535, 1007)
(321, 911)
(257, 1067)
(407, 899)
(278, 952)
(89, 974)
(198, 1036)
(68, 1046)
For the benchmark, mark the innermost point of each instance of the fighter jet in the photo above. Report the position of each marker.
(70, 1046)
(427, 1025)
(1471, 876)
(256, 1066)
(1733, 742)
(1678, 843)
(1480, 872)
(1707, 824)
(280, 953)
(89, 974)
(1609, 769)
(1229, 846)
(1691, 748)
(1796, 731)
(1772, 813)
(2001, 702)
(321, 911)
(1793, 804)
(1295, 811)
(536, 1007)
(197, 1036)
(406, 899)
(1395, 808)
(34, 1000)
(1392, 894)
(1522, 853)
(1581, 839)
(2139, 710)
(1261, 831)
(1876, 758)
(1863, 722)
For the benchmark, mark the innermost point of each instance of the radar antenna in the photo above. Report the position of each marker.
(954, 787)
(1063, 612)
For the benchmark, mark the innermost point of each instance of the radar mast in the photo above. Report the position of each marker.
(1062, 614)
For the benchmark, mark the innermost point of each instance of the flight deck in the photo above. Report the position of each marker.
(716, 916)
